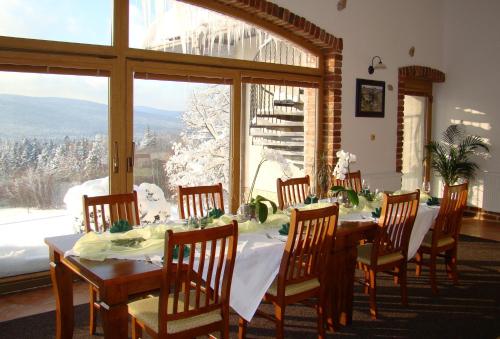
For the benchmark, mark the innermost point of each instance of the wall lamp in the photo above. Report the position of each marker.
(380, 65)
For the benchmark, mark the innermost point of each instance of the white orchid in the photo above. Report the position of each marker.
(342, 167)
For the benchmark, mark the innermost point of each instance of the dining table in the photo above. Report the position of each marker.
(121, 276)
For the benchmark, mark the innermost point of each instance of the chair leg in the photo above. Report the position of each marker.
(451, 264)
(279, 313)
(136, 329)
(419, 257)
(366, 288)
(373, 291)
(396, 276)
(224, 333)
(321, 314)
(403, 280)
(432, 272)
(92, 310)
(242, 328)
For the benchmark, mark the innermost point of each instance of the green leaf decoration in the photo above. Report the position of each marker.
(433, 201)
(175, 253)
(337, 189)
(215, 213)
(376, 213)
(261, 211)
(285, 228)
(353, 197)
(351, 194)
(120, 226)
(130, 242)
(260, 198)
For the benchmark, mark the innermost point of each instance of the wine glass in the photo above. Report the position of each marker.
(312, 191)
(426, 187)
(364, 185)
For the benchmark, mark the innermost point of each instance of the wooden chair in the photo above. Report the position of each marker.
(389, 250)
(442, 240)
(99, 215)
(352, 181)
(302, 270)
(292, 191)
(197, 200)
(187, 306)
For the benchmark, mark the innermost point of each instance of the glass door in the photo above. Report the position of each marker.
(181, 134)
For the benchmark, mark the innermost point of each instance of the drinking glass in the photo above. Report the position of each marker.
(426, 187)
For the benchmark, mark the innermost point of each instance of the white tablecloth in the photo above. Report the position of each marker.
(259, 256)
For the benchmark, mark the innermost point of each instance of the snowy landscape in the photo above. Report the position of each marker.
(45, 169)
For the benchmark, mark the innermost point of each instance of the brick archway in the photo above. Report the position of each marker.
(288, 24)
(405, 74)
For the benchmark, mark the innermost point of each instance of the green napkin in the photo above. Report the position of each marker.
(285, 228)
(175, 254)
(376, 213)
(215, 213)
(433, 201)
(120, 226)
(310, 200)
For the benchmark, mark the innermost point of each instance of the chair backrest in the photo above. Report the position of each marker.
(352, 181)
(310, 239)
(102, 211)
(197, 200)
(292, 191)
(199, 280)
(451, 210)
(395, 224)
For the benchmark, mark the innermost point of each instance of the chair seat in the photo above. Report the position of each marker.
(146, 312)
(427, 242)
(293, 289)
(365, 252)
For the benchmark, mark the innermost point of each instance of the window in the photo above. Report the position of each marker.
(68, 21)
(53, 149)
(173, 26)
(181, 135)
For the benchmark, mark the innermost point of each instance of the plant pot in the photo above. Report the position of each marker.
(247, 211)
(343, 199)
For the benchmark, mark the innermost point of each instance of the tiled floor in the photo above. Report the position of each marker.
(41, 300)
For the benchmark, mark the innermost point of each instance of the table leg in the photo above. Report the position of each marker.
(63, 290)
(114, 312)
(340, 287)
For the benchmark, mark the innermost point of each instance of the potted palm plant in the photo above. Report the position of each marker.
(451, 157)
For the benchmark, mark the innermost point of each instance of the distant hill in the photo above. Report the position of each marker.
(51, 117)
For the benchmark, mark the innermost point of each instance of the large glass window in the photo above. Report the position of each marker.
(279, 123)
(181, 135)
(53, 149)
(173, 26)
(88, 21)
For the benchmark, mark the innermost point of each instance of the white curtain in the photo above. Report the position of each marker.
(413, 142)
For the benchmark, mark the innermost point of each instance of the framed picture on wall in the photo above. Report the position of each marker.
(370, 98)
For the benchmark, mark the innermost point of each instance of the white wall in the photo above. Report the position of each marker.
(387, 28)
(471, 93)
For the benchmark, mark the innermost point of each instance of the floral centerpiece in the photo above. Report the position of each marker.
(258, 205)
(340, 172)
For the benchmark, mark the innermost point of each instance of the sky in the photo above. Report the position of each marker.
(82, 21)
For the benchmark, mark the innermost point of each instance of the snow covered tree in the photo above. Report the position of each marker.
(201, 156)
(148, 139)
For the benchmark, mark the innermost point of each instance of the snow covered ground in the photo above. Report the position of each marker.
(22, 247)
(22, 230)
